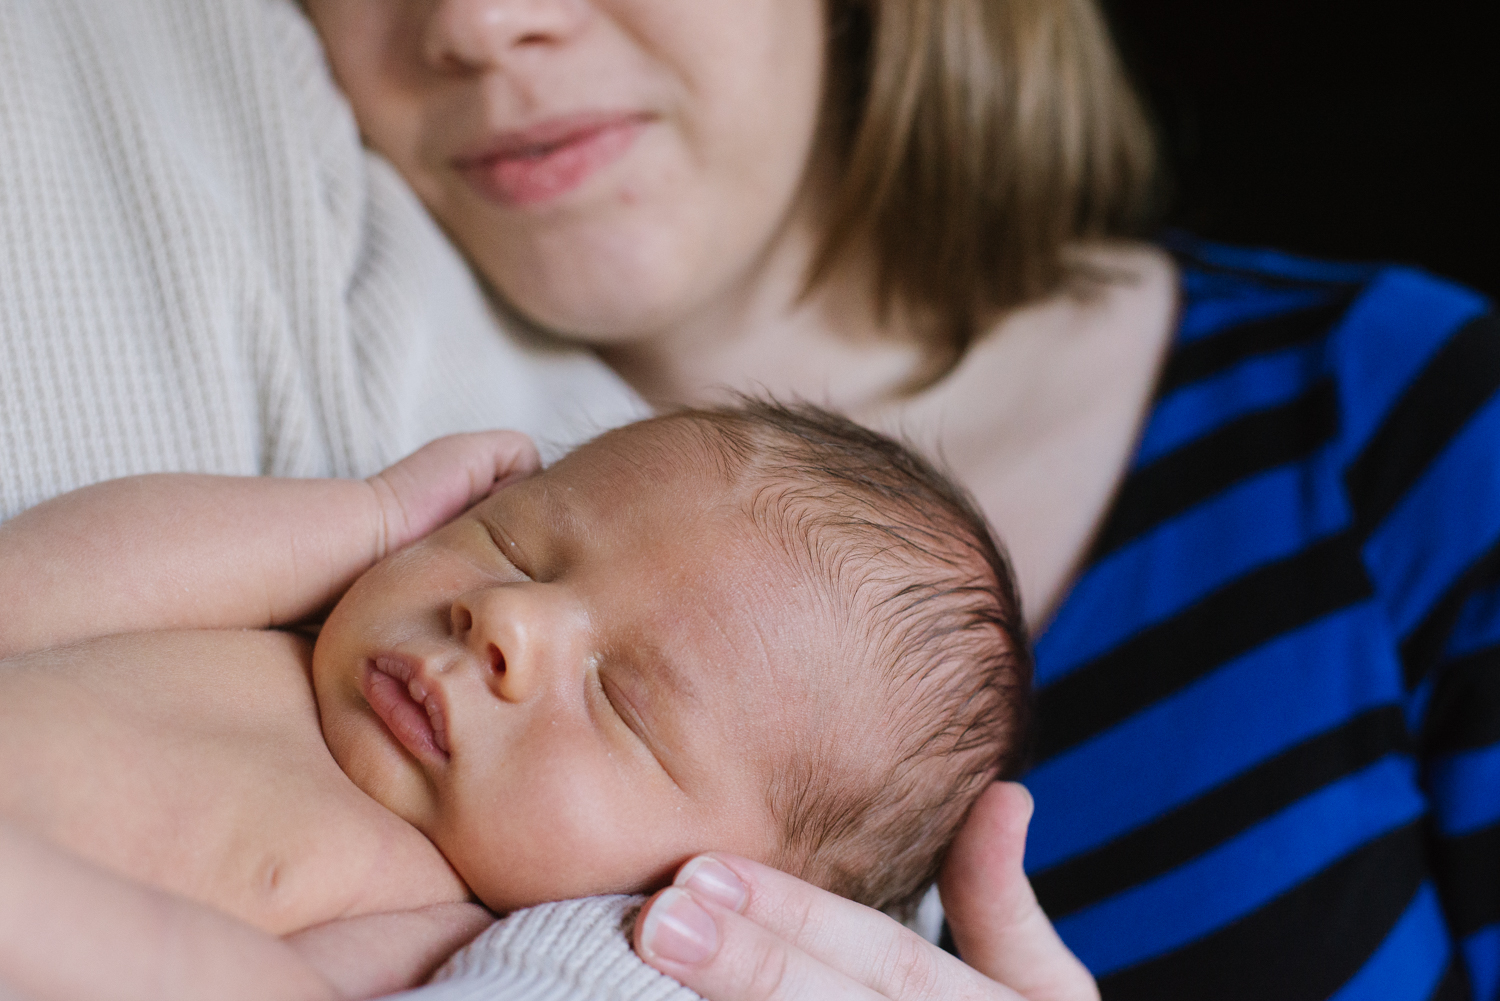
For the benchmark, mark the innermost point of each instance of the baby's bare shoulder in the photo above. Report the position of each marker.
(194, 762)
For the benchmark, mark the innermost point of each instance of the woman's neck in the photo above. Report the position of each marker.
(770, 335)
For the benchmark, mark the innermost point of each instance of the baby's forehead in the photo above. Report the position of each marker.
(640, 492)
(638, 472)
(661, 448)
(778, 513)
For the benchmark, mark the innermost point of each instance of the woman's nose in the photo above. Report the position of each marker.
(524, 636)
(479, 34)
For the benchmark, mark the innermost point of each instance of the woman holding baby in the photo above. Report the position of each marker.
(1206, 462)
(1253, 502)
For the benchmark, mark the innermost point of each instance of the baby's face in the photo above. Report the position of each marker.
(579, 683)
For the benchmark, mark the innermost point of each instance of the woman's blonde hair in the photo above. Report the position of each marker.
(975, 140)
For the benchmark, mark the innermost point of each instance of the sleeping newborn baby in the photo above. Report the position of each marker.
(759, 630)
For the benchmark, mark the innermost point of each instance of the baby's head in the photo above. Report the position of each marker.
(758, 629)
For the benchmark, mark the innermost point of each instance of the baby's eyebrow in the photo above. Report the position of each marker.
(564, 524)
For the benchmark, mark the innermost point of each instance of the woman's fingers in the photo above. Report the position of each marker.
(792, 942)
(726, 957)
(443, 478)
(997, 924)
(734, 930)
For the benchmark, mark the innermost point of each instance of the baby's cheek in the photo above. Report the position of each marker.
(560, 838)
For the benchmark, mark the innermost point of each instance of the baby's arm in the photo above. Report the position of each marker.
(69, 929)
(184, 551)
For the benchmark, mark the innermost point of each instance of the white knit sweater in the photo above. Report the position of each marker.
(201, 269)
(577, 950)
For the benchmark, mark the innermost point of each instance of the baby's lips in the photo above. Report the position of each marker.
(409, 706)
(420, 693)
(398, 667)
(439, 724)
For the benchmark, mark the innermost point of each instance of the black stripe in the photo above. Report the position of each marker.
(1423, 648)
(1215, 817)
(1211, 355)
(1455, 983)
(1464, 713)
(1463, 375)
(1158, 661)
(1468, 878)
(1303, 945)
(1263, 440)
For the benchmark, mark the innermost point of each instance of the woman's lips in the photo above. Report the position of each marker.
(395, 690)
(537, 164)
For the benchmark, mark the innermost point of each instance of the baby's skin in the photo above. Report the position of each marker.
(501, 710)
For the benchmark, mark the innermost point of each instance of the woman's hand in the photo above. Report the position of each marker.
(734, 930)
(440, 480)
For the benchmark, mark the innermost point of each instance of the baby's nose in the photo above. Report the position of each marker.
(477, 633)
(532, 637)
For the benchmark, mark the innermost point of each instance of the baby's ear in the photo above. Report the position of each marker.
(443, 478)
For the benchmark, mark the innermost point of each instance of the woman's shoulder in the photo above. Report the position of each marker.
(1240, 302)
(1375, 353)
(1389, 345)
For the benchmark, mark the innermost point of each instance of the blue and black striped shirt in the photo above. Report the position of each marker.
(1269, 746)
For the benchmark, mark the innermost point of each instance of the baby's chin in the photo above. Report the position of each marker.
(527, 883)
(508, 897)
(369, 758)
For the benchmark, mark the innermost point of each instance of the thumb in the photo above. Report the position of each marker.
(999, 928)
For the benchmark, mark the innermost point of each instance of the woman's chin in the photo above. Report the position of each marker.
(610, 282)
(601, 321)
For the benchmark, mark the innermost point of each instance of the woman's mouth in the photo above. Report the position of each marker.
(537, 164)
(414, 714)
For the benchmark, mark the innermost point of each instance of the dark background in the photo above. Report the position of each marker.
(1328, 127)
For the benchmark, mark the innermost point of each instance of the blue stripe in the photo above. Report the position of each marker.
(1215, 314)
(1265, 518)
(1204, 895)
(1454, 509)
(1410, 963)
(1465, 790)
(1207, 290)
(1251, 708)
(1478, 625)
(1481, 952)
(1272, 262)
(1209, 404)
(1386, 338)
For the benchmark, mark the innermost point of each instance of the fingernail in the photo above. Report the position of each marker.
(676, 928)
(708, 877)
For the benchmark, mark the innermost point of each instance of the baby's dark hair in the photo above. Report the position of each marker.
(927, 598)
